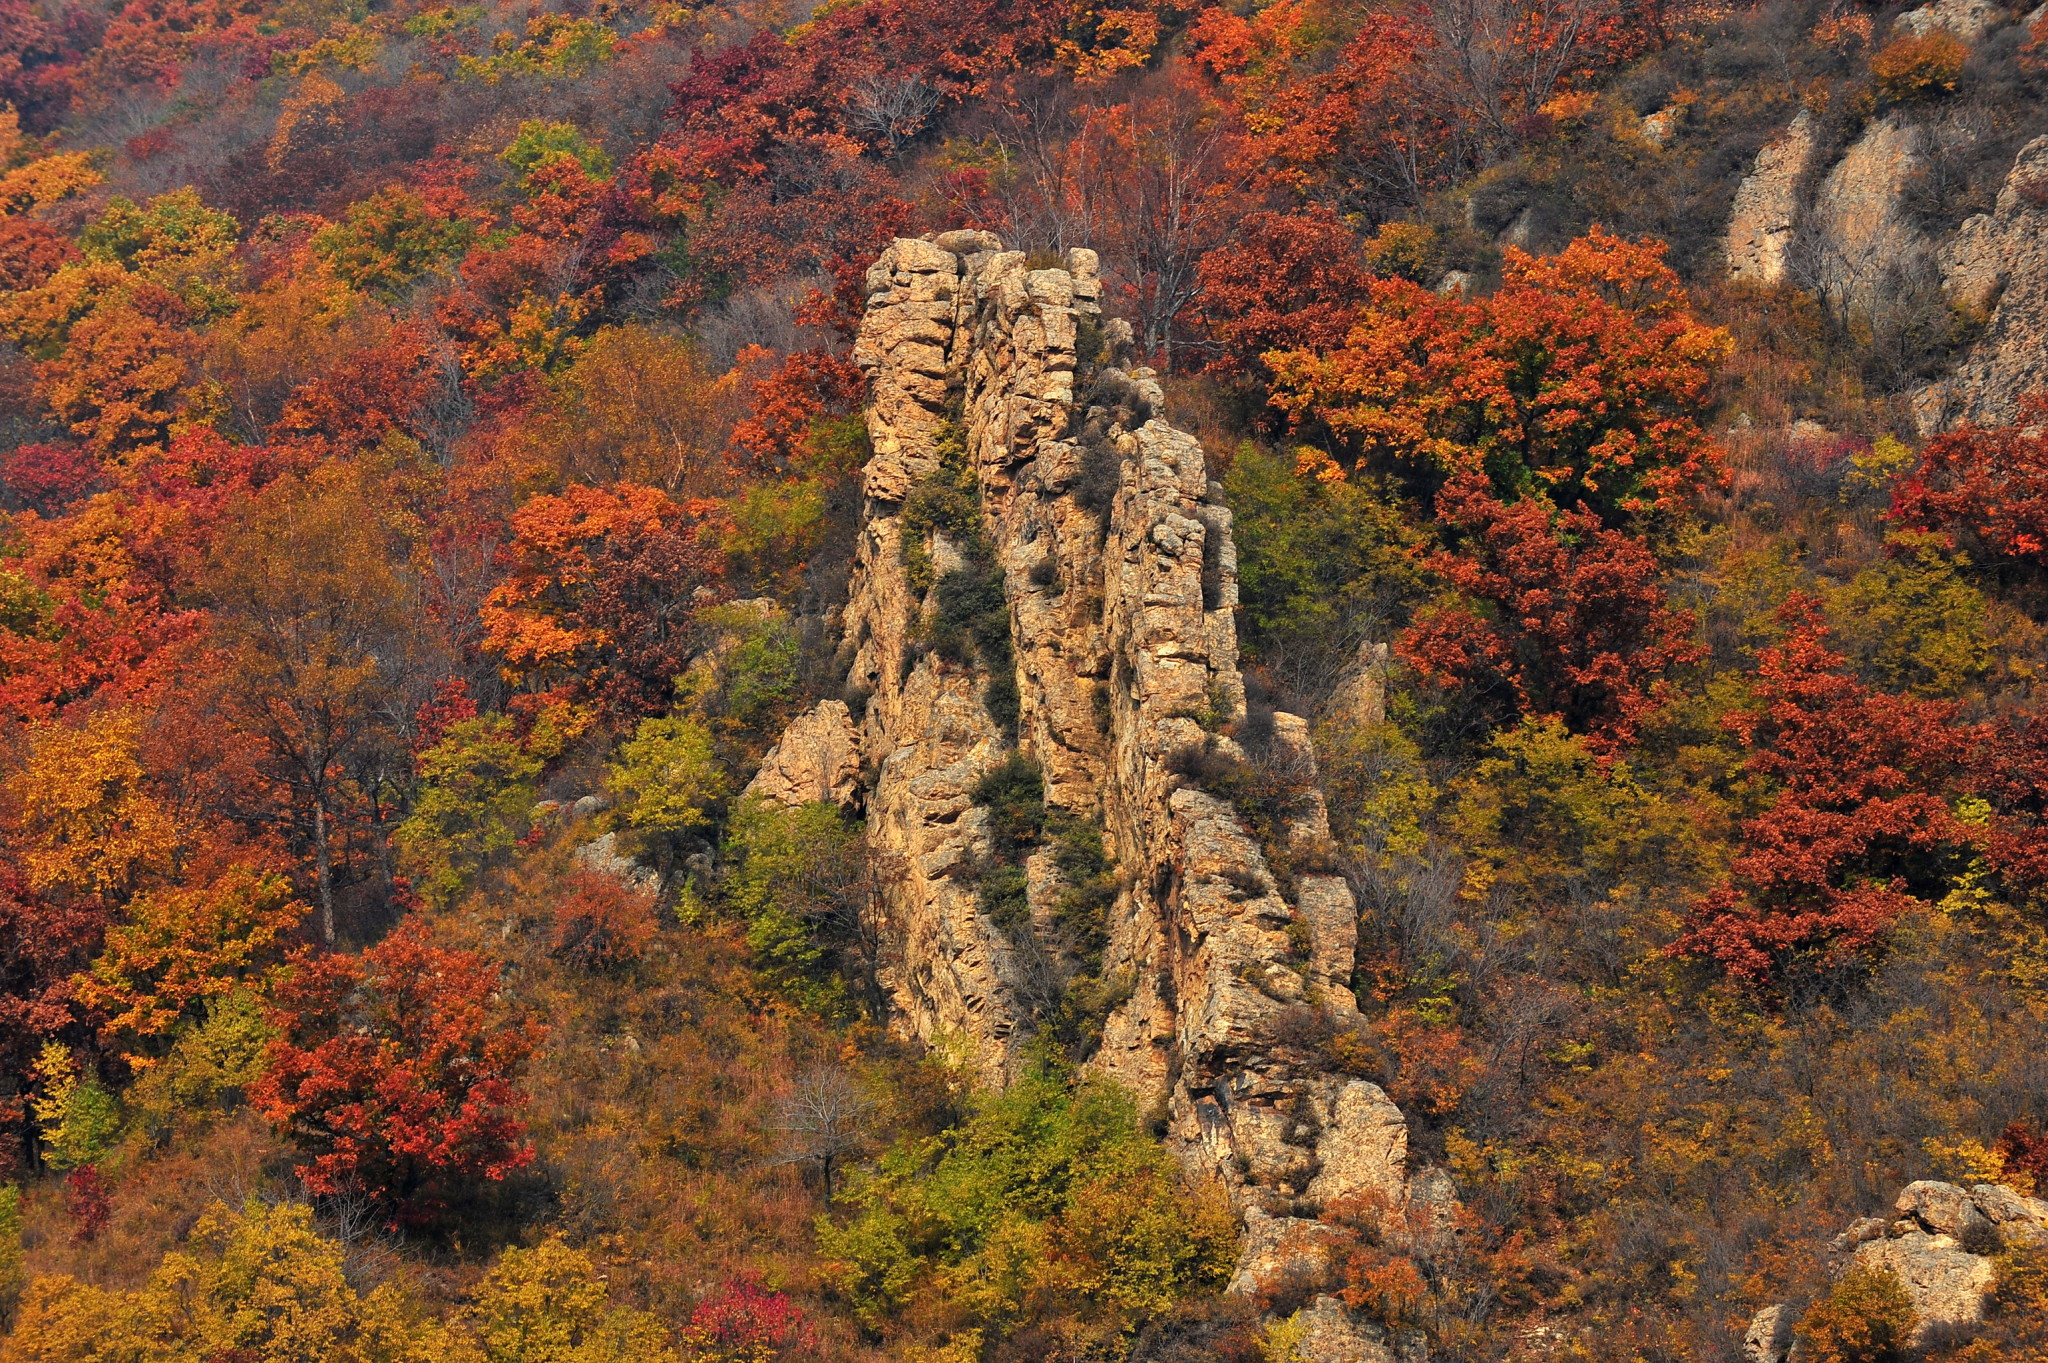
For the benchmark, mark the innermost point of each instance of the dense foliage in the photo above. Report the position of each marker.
(429, 454)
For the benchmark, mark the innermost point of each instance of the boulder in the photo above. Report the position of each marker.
(1996, 266)
(1769, 1337)
(1968, 20)
(1946, 1283)
(1863, 239)
(1761, 226)
(602, 856)
(817, 759)
(1364, 1147)
(1282, 1252)
(1331, 1333)
(1943, 1208)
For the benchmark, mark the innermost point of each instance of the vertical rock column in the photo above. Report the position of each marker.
(1120, 579)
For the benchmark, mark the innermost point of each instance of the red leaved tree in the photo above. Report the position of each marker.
(1556, 422)
(1554, 614)
(394, 1074)
(1987, 489)
(1289, 281)
(1861, 833)
(601, 597)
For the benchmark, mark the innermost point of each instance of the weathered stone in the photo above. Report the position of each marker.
(816, 759)
(1968, 20)
(1360, 696)
(1861, 1229)
(1947, 1284)
(2004, 1207)
(2020, 1220)
(1997, 264)
(966, 241)
(1942, 1208)
(1283, 1251)
(1769, 1337)
(1761, 227)
(1331, 1333)
(1862, 239)
(602, 856)
(1122, 630)
(1364, 1147)
(1658, 127)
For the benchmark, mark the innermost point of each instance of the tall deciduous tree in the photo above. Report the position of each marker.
(602, 595)
(323, 617)
(1862, 830)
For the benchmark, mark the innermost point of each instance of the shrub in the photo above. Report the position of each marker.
(1926, 67)
(391, 1074)
(256, 1284)
(13, 1268)
(666, 775)
(78, 1117)
(476, 786)
(1047, 1200)
(1866, 1318)
(800, 881)
(602, 923)
(88, 1202)
(744, 1322)
(549, 1304)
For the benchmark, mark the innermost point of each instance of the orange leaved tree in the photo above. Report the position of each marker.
(603, 592)
(1556, 423)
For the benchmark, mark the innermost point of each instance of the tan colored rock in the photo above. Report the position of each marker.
(2020, 1220)
(1360, 696)
(1946, 1283)
(1862, 239)
(816, 759)
(1943, 1208)
(1769, 1337)
(1364, 1147)
(1123, 631)
(1659, 127)
(602, 856)
(1331, 1333)
(1968, 20)
(1765, 216)
(1280, 1251)
(1997, 262)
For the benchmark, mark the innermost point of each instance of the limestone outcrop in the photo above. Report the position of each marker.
(1860, 238)
(1996, 267)
(1045, 570)
(1939, 1246)
(1968, 20)
(1766, 215)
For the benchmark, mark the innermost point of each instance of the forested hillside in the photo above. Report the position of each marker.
(447, 450)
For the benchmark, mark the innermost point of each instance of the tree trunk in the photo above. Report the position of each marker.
(323, 870)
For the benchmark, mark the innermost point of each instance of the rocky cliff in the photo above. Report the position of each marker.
(1842, 231)
(1939, 1245)
(1045, 728)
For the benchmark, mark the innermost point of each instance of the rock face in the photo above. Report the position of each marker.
(1766, 216)
(1860, 238)
(1997, 263)
(1968, 20)
(1098, 537)
(1939, 1247)
(817, 760)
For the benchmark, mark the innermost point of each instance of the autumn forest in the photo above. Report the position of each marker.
(446, 458)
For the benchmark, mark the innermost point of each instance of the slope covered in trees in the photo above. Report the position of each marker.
(431, 460)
